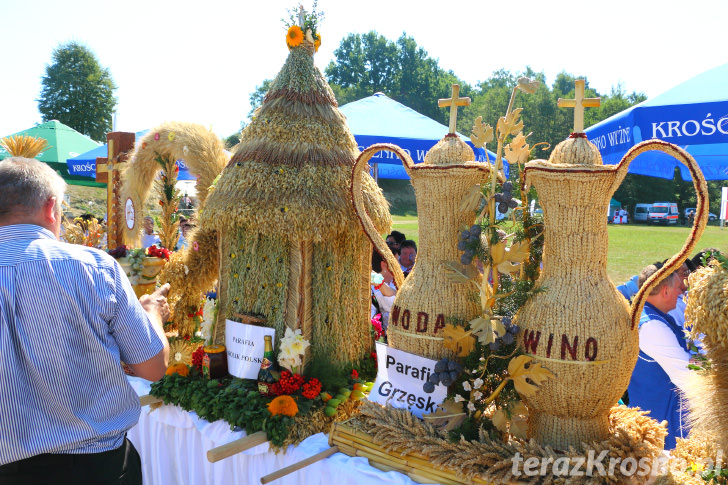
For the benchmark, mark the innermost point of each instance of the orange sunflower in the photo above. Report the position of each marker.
(284, 405)
(317, 42)
(294, 37)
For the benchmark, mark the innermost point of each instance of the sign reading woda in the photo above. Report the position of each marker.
(400, 376)
(245, 346)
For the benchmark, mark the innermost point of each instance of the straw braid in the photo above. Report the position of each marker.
(305, 314)
(360, 168)
(294, 282)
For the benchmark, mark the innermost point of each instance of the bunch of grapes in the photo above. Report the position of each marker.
(469, 239)
(446, 373)
(136, 260)
(507, 338)
(505, 199)
(118, 252)
(158, 252)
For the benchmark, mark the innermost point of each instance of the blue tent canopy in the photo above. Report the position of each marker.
(693, 115)
(379, 119)
(85, 164)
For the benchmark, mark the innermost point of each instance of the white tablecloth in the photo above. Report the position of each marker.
(173, 445)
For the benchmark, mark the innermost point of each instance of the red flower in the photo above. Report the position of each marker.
(373, 355)
(197, 357)
(354, 374)
(312, 388)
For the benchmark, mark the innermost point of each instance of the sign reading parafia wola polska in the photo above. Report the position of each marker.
(400, 377)
(245, 346)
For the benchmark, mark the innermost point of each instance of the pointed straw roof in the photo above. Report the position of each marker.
(291, 172)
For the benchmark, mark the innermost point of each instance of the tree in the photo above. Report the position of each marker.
(369, 63)
(78, 92)
(257, 96)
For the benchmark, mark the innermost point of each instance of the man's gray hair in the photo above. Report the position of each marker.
(26, 185)
(648, 271)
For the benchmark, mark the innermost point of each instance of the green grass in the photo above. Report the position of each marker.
(407, 225)
(631, 247)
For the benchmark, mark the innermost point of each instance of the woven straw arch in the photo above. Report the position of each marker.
(200, 148)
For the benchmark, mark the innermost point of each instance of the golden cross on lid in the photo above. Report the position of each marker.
(453, 104)
(579, 104)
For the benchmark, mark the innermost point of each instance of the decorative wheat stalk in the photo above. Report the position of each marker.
(24, 146)
(169, 200)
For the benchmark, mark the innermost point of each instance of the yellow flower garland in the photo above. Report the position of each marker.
(294, 37)
(317, 42)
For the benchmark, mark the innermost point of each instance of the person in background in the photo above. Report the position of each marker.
(185, 225)
(662, 370)
(394, 240)
(408, 253)
(149, 237)
(68, 317)
(384, 291)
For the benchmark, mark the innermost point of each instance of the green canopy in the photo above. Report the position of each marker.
(64, 143)
(615, 203)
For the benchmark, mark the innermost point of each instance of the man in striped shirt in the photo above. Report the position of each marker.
(68, 315)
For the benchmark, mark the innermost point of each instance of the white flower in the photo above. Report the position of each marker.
(466, 386)
(459, 398)
(471, 407)
(477, 395)
(187, 270)
(208, 317)
(477, 383)
(292, 347)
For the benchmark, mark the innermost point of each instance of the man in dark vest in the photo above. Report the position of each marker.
(662, 370)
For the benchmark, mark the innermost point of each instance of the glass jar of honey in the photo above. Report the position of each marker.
(214, 362)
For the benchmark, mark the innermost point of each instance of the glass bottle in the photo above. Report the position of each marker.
(268, 373)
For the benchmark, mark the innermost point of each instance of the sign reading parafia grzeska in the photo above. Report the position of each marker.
(245, 347)
(400, 376)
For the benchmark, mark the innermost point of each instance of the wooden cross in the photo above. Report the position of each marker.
(107, 171)
(453, 104)
(579, 104)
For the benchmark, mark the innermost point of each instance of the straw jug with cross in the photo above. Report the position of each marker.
(580, 326)
(427, 300)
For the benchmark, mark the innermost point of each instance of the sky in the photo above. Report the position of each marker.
(200, 61)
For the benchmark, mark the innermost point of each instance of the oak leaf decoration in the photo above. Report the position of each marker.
(517, 150)
(509, 124)
(458, 273)
(458, 340)
(449, 415)
(482, 133)
(518, 251)
(483, 329)
(527, 85)
(471, 200)
(521, 370)
(500, 420)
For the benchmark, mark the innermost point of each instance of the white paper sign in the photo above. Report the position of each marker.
(245, 346)
(400, 377)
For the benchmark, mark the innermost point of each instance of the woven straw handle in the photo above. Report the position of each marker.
(361, 211)
(701, 215)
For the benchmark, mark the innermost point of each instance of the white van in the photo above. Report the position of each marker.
(664, 213)
(642, 212)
